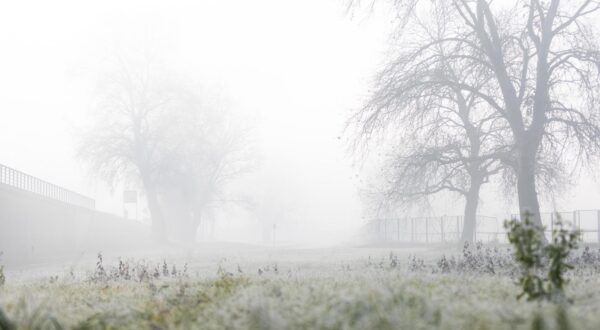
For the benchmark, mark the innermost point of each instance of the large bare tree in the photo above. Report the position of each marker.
(543, 61)
(127, 132)
(152, 127)
(209, 150)
(449, 140)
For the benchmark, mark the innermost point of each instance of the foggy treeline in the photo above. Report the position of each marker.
(471, 93)
(478, 92)
(437, 107)
(181, 147)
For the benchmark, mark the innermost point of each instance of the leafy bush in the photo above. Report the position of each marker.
(543, 266)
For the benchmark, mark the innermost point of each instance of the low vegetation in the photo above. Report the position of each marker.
(543, 266)
(472, 288)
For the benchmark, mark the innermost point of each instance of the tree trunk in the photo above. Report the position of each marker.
(528, 197)
(158, 224)
(526, 186)
(470, 216)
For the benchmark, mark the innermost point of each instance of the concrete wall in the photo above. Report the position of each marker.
(35, 229)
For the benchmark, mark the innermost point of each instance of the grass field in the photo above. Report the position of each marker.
(275, 288)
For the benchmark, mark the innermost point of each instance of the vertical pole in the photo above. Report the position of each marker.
(398, 227)
(385, 236)
(457, 228)
(442, 228)
(427, 229)
(598, 222)
(412, 229)
(474, 229)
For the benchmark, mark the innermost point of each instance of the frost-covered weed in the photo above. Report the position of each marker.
(481, 259)
(473, 259)
(380, 292)
(272, 268)
(585, 261)
(416, 264)
(443, 265)
(484, 260)
(394, 263)
(139, 271)
(100, 273)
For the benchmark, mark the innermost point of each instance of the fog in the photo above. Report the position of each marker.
(294, 69)
(316, 164)
(291, 72)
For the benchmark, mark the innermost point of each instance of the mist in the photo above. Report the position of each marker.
(171, 141)
(290, 79)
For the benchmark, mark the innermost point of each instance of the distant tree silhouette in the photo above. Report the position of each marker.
(151, 127)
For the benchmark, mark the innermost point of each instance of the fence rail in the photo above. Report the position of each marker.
(487, 229)
(26, 182)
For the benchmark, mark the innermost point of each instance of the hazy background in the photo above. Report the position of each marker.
(296, 68)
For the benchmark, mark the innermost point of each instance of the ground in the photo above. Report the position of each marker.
(246, 287)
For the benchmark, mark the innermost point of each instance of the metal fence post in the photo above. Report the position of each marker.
(598, 221)
(442, 228)
(457, 228)
(385, 229)
(426, 230)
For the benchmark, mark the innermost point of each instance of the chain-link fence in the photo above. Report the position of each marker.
(487, 229)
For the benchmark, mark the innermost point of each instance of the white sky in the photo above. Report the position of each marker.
(300, 66)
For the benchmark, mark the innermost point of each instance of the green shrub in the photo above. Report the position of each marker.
(563, 242)
(543, 265)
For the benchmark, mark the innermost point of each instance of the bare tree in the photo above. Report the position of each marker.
(451, 140)
(543, 61)
(152, 128)
(210, 150)
(127, 132)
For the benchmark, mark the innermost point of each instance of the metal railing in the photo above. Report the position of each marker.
(487, 229)
(26, 182)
